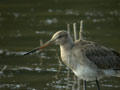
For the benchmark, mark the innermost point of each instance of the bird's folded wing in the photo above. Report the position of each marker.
(102, 57)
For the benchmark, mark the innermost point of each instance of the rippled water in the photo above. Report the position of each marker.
(24, 22)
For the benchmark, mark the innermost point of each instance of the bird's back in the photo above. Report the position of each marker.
(102, 57)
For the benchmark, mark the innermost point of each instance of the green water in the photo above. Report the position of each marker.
(24, 22)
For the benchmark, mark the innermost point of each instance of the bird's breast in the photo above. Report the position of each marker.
(72, 58)
(81, 66)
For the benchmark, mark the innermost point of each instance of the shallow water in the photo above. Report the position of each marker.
(23, 23)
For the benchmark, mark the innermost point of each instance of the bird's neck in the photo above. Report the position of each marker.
(67, 45)
(66, 48)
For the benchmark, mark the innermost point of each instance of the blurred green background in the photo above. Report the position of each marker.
(24, 22)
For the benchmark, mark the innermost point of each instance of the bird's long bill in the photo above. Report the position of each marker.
(41, 47)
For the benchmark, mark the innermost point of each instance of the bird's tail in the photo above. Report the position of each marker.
(115, 73)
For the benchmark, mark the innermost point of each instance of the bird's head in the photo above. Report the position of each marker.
(59, 38)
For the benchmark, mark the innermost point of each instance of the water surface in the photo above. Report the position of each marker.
(24, 22)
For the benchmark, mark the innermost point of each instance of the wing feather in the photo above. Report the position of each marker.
(101, 56)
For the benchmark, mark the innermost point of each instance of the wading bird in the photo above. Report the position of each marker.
(88, 60)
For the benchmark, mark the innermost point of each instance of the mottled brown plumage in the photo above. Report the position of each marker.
(101, 56)
(88, 60)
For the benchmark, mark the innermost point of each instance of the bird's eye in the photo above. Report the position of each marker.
(59, 36)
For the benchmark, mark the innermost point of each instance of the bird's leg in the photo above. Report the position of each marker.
(97, 83)
(84, 84)
(78, 83)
